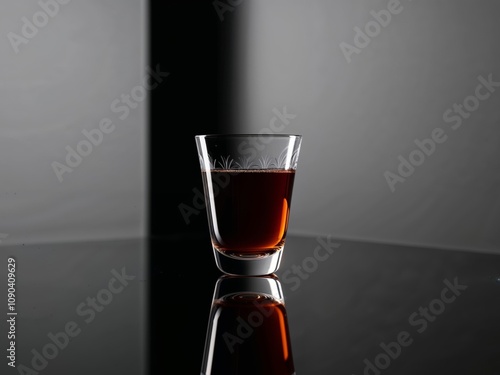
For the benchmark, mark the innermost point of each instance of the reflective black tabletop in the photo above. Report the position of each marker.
(161, 306)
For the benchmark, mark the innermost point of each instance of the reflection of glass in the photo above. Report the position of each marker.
(248, 182)
(248, 329)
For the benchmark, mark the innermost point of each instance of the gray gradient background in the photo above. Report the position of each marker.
(358, 117)
(62, 82)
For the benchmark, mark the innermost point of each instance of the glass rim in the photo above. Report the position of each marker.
(247, 135)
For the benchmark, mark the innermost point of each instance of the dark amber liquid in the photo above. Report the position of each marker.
(248, 335)
(248, 210)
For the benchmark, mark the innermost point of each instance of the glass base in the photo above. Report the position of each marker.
(259, 265)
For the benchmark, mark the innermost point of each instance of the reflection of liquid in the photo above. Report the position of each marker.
(248, 329)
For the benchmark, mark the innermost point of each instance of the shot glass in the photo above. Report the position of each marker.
(248, 181)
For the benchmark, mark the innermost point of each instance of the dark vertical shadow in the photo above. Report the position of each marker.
(188, 40)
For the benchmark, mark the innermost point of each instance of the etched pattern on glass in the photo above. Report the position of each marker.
(286, 160)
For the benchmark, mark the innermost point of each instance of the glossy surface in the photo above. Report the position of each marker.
(127, 307)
